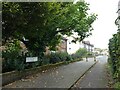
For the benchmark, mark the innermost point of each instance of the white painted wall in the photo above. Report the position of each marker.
(72, 47)
(81, 45)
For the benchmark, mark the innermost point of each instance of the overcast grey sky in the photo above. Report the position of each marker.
(104, 26)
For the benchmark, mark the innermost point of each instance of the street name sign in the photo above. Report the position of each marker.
(31, 59)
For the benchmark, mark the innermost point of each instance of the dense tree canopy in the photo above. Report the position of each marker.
(43, 23)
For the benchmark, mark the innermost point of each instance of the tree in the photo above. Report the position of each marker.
(44, 23)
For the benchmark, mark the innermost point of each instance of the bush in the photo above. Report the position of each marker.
(117, 86)
(64, 56)
(12, 58)
(54, 58)
(69, 58)
(45, 60)
(59, 57)
(80, 53)
(89, 54)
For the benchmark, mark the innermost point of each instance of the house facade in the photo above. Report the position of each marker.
(66, 45)
(61, 47)
(88, 46)
(73, 47)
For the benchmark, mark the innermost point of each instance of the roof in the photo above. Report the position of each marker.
(88, 43)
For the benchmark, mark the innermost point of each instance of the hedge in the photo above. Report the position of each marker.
(114, 52)
(14, 59)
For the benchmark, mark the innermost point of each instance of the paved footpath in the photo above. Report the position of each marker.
(60, 77)
(96, 77)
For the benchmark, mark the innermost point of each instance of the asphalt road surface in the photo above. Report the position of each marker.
(60, 77)
(96, 77)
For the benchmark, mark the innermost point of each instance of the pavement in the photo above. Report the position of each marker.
(96, 77)
(60, 77)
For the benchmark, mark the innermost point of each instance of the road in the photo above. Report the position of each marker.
(60, 77)
(96, 77)
(67, 76)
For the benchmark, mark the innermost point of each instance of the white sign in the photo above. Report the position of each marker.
(31, 59)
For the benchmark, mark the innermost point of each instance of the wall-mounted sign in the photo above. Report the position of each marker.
(31, 59)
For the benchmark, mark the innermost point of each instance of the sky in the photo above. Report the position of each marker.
(104, 26)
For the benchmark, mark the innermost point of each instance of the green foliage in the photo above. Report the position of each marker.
(82, 52)
(89, 54)
(43, 23)
(59, 57)
(45, 60)
(54, 58)
(114, 51)
(17, 62)
(64, 56)
(117, 86)
(12, 57)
